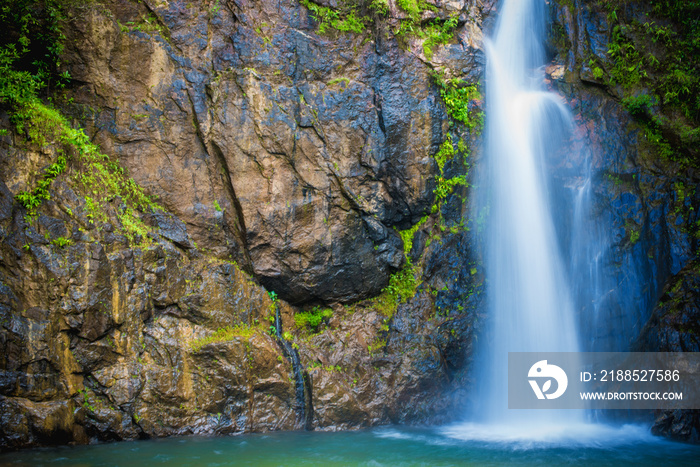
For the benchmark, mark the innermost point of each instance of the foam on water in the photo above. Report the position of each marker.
(552, 435)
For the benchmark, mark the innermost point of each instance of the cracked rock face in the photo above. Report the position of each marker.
(294, 153)
(283, 158)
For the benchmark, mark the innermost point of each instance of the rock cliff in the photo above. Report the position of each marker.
(277, 158)
(625, 69)
(306, 158)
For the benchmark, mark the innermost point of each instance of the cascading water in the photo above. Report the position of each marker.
(531, 295)
(529, 299)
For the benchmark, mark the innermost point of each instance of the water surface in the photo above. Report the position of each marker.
(458, 445)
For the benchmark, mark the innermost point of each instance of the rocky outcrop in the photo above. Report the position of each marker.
(292, 161)
(294, 152)
(643, 187)
(107, 342)
(675, 322)
(674, 326)
(644, 216)
(284, 160)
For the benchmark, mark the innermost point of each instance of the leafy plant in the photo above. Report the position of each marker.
(628, 68)
(30, 49)
(634, 236)
(345, 19)
(380, 7)
(436, 33)
(62, 242)
(32, 199)
(402, 286)
(639, 106)
(661, 55)
(313, 318)
(215, 7)
(29, 63)
(357, 15)
(408, 234)
(101, 179)
(457, 96)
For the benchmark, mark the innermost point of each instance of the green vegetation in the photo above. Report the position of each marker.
(402, 286)
(634, 236)
(312, 319)
(357, 15)
(445, 186)
(146, 23)
(682, 194)
(437, 33)
(345, 19)
(380, 7)
(377, 344)
(679, 85)
(29, 66)
(30, 47)
(329, 368)
(101, 179)
(631, 228)
(62, 242)
(335, 81)
(214, 9)
(628, 68)
(639, 106)
(86, 400)
(32, 199)
(414, 8)
(597, 71)
(457, 96)
(661, 55)
(272, 330)
(224, 335)
(408, 234)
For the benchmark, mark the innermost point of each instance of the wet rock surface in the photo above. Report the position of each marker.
(645, 204)
(286, 161)
(674, 326)
(294, 152)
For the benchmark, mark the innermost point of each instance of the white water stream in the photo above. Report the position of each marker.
(529, 299)
(529, 289)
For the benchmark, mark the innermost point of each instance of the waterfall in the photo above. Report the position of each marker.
(529, 299)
